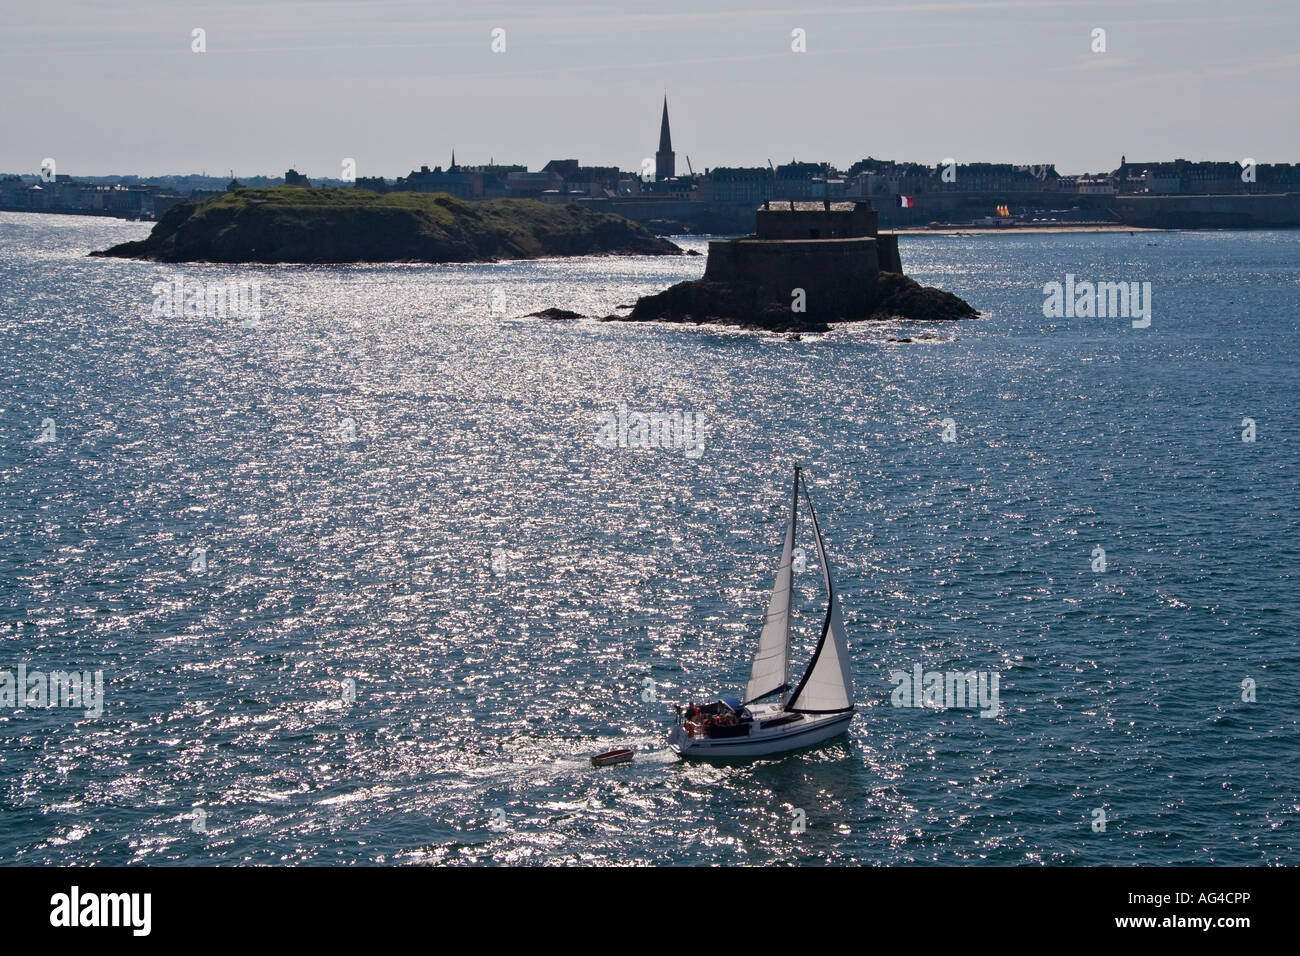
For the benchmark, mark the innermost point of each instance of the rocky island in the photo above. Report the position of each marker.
(303, 225)
(808, 265)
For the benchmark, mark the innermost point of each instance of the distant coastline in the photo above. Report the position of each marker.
(1176, 194)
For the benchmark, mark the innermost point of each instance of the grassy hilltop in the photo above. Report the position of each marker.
(296, 224)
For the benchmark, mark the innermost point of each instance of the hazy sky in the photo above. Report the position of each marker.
(114, 87)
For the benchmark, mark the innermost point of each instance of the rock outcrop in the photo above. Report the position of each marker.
(890, 296)
(296, 224)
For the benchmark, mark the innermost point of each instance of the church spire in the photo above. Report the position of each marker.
(665, 159)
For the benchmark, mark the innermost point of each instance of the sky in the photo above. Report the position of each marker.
(116, 88)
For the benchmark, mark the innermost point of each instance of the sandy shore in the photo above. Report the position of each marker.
(1019, 230)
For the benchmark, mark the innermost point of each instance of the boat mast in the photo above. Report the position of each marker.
(794, 527)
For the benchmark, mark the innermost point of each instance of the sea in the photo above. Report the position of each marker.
(362, 577)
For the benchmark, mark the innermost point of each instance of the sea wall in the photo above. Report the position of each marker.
(674, 216)
(1260, 211)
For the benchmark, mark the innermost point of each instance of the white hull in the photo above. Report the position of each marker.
(808, 730)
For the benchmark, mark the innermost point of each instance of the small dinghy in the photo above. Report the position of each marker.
(617, 755)
(772, 719)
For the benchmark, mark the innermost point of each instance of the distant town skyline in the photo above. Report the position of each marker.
(395, 84)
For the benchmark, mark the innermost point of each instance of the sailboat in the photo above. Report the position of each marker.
(772, 717)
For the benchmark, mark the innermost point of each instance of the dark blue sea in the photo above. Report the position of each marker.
(364, 586)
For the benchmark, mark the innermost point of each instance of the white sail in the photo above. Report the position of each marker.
(827, 685)
(770, 671)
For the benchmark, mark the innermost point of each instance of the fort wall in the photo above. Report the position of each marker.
(887, 255)
(843, 221)
(838, 276)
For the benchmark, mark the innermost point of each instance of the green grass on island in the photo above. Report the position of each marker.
(297, 224)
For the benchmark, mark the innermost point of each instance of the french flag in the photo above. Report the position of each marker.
(906, 202)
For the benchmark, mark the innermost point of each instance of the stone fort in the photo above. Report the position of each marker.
(831, 250)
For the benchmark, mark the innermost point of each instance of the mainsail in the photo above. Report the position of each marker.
(827, 685)
(770, 672)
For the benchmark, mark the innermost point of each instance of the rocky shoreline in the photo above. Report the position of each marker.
(294, 224)
(701, 301)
